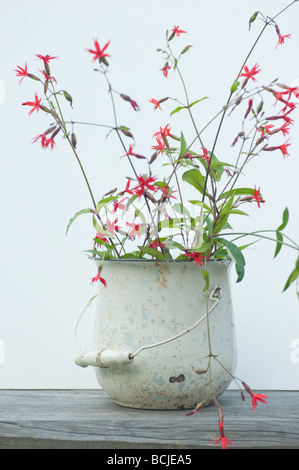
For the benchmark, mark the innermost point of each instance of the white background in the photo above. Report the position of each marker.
(45, 276)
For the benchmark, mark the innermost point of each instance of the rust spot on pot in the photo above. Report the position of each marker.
(163, 275)
(179, 378)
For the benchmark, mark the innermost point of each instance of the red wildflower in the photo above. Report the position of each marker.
(165, 70)
(134, 229)
(48, 77)
(22, 72)
(167, 192)
(285, 117)
(99, 278)
(98, 52)
(163, 132)
(45, 58)
(282, 38)
(284, 129)
(255, 397)
(178, 31)
(205, 155)
(249, 73)
(282, 148)
(223, 439)
(257, 197)
(118, 205)
(144, 183)
(133, 103)
(250, 102)
(159, 147)
(101, 236)
(156, 104)
(133, 154)
(128, 190)
(155, 244)
(35, 104)
(265, 129)
(111, 226)
(199, 258)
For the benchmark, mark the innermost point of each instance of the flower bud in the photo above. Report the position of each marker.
(252, 18)
(68, 97)
(44, 108)
(260, 107)
(186, 49)
(74, 140)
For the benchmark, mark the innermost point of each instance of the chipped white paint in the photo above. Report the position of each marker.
(147, 302)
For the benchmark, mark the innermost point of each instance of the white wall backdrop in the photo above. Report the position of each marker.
(45, 276)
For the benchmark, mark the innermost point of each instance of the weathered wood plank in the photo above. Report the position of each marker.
(89, 419)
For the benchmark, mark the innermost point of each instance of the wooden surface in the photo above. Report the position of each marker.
(88, 419)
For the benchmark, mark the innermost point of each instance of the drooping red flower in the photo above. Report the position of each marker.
(98, 52)
(35, 104)
(223, 439)
(156, 104)
(199, 258)
(22, 72)
(282, 38)
(178, 31)
(250, 73)
(165, 70)
(99, 278)
(255, 397)
(257, 197)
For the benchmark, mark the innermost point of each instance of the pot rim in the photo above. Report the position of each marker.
(107, 260)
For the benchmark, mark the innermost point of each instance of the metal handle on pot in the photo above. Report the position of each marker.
(110, 358)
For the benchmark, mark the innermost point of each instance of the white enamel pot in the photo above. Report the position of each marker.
(153, 323)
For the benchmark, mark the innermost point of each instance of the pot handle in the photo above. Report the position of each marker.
(105, 358)
(110, 358)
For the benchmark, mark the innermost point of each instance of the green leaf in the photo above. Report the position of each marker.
(195, 178)
(183, 145)
(235, 86)
(279, 238)
(223, 216)
(279, 235)
(293, 276)
(198, 101)
(237, 192)
(202, 248)
(206, 277)
(285, 219)
(176, 110)
(178, 207)
(237, 256)
(152, 252)
(83, 211)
